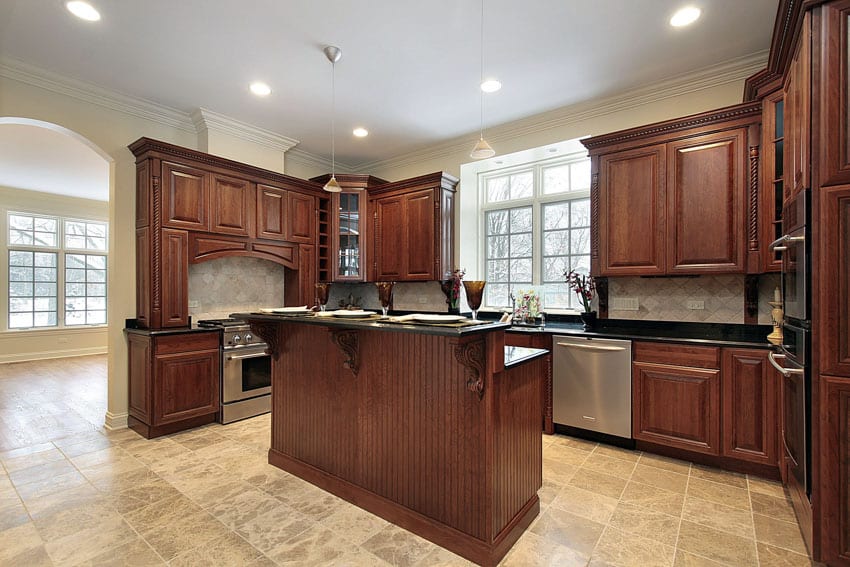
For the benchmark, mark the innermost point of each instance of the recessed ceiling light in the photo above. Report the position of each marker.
(360, 132)
(491, 86)
(83, 10)
(553, 150)
(260, 89)
(685, 16)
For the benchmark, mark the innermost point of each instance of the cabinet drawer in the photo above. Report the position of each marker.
(529, 340)
(187, 342)
(677, 355)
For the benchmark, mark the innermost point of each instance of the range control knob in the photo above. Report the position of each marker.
(236, 339)
(249, 337)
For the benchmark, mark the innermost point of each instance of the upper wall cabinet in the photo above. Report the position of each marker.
(185, 197)
(798, 115)
(835, 95)
(677, 197)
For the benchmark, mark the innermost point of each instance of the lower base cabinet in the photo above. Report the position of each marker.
(835, 469)
(174, 380)
(535, 339)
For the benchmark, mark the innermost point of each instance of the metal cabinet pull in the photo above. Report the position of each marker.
(592, 347)
(772, 357)
(785, 239)
(244, 356)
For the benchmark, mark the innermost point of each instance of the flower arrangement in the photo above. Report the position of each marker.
(528, 307)
(451, 287)
(583, 286)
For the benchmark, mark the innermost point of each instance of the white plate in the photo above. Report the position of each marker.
(287, 310)
(350, 313)
(423, 318)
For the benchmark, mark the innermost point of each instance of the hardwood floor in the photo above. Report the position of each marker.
(41, 401)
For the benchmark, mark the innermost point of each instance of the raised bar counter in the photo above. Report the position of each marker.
(421, 425)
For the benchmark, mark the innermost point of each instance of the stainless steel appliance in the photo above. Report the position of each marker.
(592, 384)
(794, 246)
(245, 371)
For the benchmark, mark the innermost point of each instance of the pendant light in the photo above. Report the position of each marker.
(482, 149)
(333, 54)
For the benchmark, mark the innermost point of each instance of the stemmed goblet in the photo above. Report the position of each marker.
(385, 295)
(323, 289)
(474, 295)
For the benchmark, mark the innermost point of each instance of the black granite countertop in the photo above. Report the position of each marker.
(709, 334)
(515, 355)
(130, 326)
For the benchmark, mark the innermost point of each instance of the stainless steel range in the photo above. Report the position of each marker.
(245, 371)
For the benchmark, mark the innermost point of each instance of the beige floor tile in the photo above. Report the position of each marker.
(600, 483)
(769, 487)
(95, 443)
(319, 506)
(574, 442)
(177, 536)
(113, 483)
(718, 516)
(779, 508)
(646, 523)
(624, 549)
(269, 531)
(243, 507)
(779, 533)
(660, 478)
(719, 546)
(569, 530)
(737, 480)
(199, 439)
(69, 521)
(719, 493)
(89, 542)
(687, 559)
(28, 450)
(40, 472)
(565, 454)
(314, 546)
(71, 498)
(158, 514)
(603, 463)
(135, 553)
(99, 457)
(653, 498)
(666, 463)
(18, 543)
(558, 472)
(532, 549)
(586, 504)
(617, 452)
(104, 473)
(548, 492)
(353, 523)
(227, 551)
(771, 556)
(440, 557)
(155, 490)
(13, 515)
(45, 487)
(207, 495)
(24, 461)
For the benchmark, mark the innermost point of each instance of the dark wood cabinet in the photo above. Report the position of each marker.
(706, 203)
(834, 133)
(272, 212)
(184, 197)
(301, 227)
(231, 205)
(413, 224)
(833, 282)
(174, 278)
(175, 380)
(538, 340)
(749, 392)
(798, 115)
(772, 178)
(674, 405)
(676, 197)
(835, 474)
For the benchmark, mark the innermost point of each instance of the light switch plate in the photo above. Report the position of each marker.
(696, 304)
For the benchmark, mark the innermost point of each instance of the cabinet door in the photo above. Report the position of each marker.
(139, 374)
(185, 197)
(232, 205)
(705, 203)
(186, 385)
(390, 248)
(677, 406)
(835, 469)
(271, 212)
(174, 278)
(835, 95)
(299, 285)
(349, 228)
(302, 218)
(773, 186)
(749, 406)
(798, 90)
(832, 281)
(420, 252)
(631, 212)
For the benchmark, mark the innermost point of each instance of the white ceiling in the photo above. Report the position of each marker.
(409, 71)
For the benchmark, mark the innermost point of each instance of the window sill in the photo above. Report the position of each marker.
(47, 331)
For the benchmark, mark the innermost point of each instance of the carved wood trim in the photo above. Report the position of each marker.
(602, 296)
(471, 356)
(548, 423)
(271, 333)
(348, 341)
(156, 236)
(751, 299)
(754, 201)
(594, 216)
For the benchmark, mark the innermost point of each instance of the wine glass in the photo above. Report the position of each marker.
(322, 291)
(474, 294)
(385, 295)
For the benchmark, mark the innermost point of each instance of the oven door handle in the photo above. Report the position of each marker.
(772, 357)
(244, 356)
(785, 239)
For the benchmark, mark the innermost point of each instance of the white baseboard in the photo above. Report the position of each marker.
(115, 421)
(44, 355)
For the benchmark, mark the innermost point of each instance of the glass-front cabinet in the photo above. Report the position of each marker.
(349, 227)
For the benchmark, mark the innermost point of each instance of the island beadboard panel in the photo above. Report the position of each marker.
(430, 432)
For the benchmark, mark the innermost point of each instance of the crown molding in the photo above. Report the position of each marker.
(91, 93)
(207, 120)
(723, 73)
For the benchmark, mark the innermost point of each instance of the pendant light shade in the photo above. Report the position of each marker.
(482, 149)
(333, 54)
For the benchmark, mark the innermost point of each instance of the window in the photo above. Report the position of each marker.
(536, 227)
(51, 253)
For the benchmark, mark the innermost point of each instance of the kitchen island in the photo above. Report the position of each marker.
(422, 425)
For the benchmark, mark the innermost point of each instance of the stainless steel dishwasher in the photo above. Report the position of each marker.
(592, 384)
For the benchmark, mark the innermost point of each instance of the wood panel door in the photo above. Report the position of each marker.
(388, 240)
(676, 406)
(184, 197)
(749, 406)
(631, 197)
(772, 179)
(419, 235)
(272, 212)
(187, 385)
(835, 95)
(174, 278)
(301, 222)
(835, 470)
(705, 203)
(232, 205)
(833, 243)
(798, 117)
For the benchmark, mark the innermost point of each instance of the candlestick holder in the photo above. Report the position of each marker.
(777, 314)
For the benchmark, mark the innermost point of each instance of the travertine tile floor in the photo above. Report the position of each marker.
(208, 497)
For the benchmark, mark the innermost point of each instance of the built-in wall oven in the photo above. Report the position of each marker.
(792, 360)
(245, 371)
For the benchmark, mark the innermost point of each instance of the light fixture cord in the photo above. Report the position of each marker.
(333, 119)
(481, 92)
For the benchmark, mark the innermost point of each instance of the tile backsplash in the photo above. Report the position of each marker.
(666, 299)
(227, 285)
(407, 296)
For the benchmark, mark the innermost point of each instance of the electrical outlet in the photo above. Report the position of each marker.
(423, 300)
(194, 304)
(696, 304)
